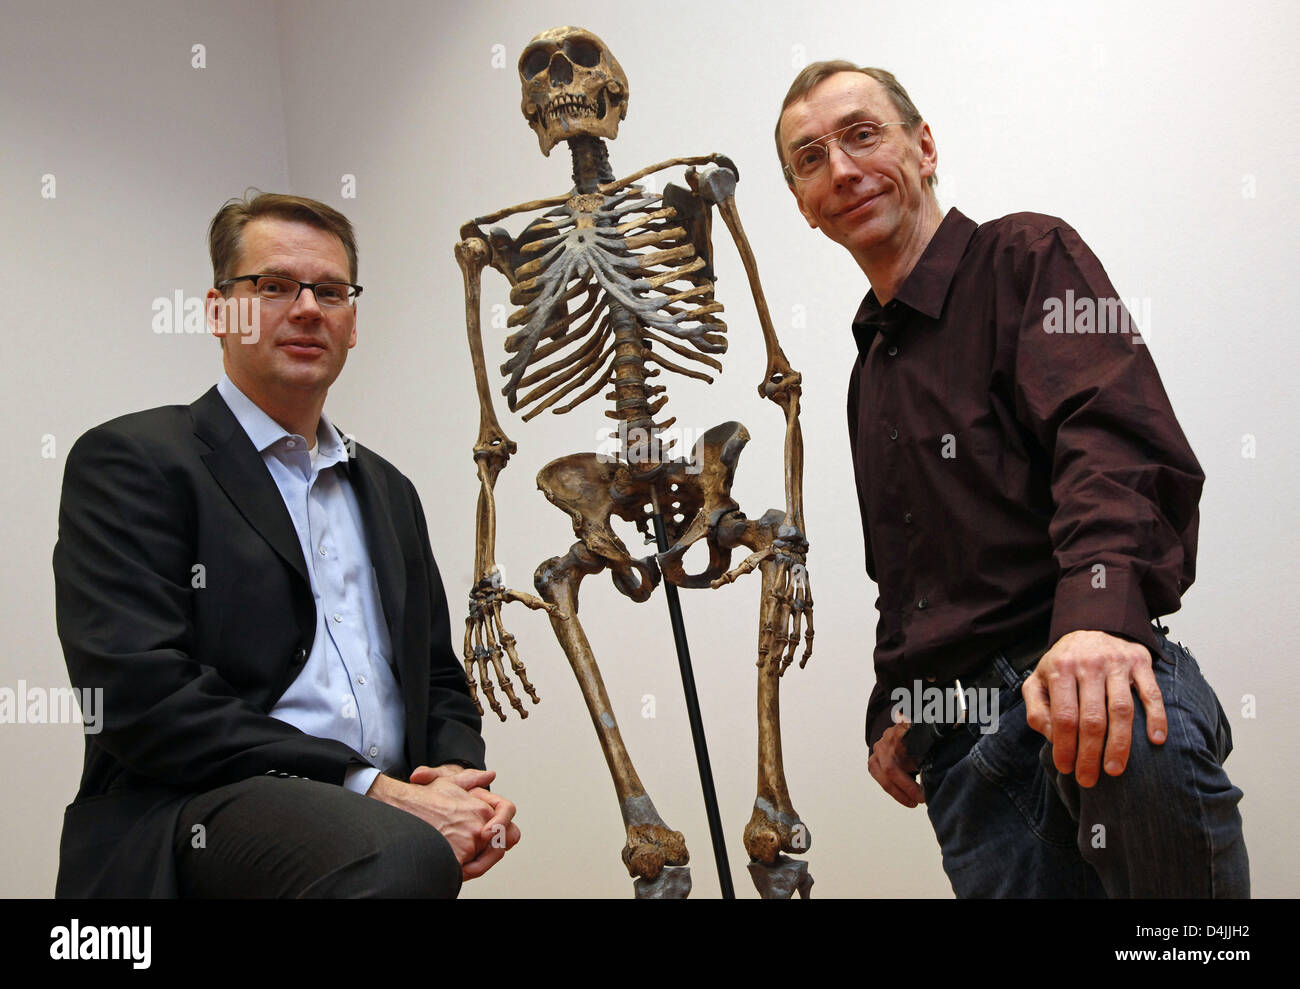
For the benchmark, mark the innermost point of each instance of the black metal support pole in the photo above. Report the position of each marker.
(697, 723)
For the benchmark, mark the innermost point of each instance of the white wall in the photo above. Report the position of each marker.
(1161, 131)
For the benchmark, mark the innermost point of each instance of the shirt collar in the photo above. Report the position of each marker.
(265, 432)
(925, 288)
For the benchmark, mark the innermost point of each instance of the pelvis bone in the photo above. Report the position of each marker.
(694, 495)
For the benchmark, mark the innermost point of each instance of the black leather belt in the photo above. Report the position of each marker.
(1023, 656)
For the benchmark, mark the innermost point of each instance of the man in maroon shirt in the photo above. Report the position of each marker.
(1029, 505)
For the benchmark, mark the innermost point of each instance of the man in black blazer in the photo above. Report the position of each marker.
(187, 586)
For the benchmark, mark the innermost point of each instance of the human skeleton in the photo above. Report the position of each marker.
(582, 281)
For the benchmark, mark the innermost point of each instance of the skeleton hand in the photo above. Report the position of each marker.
(792, 602)
(788, 598)
(486, 639)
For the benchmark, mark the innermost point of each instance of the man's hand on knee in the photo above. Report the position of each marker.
(499, 833)
(452, 800)
(1080, 699)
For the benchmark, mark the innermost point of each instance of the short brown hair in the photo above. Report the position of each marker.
(812, 75)
(225, 233)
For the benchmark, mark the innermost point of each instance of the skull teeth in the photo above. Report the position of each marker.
(571, 105)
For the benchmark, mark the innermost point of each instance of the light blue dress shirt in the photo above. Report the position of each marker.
(347, 690)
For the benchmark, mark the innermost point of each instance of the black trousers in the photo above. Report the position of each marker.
(284, 837)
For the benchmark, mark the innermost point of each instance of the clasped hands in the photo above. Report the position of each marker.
(478, 824)
(1079, 698)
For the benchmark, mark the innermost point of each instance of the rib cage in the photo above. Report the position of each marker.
(627, 251)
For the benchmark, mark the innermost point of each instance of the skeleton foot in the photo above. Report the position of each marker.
(674, 883)
(779, 880)
(650, 847)
(771, 831)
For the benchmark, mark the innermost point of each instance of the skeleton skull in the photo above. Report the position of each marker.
(573, 86)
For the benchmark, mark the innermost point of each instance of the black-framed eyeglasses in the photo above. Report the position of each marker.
(857, 139)
(279, 288)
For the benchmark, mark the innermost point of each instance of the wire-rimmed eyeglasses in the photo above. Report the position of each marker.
(857, 139)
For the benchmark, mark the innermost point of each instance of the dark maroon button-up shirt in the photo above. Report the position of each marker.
(1019, 467)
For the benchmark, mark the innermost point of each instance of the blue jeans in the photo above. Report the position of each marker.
(1010, 825)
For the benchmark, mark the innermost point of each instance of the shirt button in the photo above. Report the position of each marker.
(923, 603)
(322, 551)
(361, 681)
(907, 519)
(893, 434)
(338, 617)
(374, 751)
(290, 444)
(892, 351)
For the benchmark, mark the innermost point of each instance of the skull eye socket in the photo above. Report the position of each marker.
(534, 61)
(582, 52)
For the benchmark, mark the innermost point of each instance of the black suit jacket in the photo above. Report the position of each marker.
(181, 590)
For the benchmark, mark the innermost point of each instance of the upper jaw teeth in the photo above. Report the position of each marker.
(570, 104)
